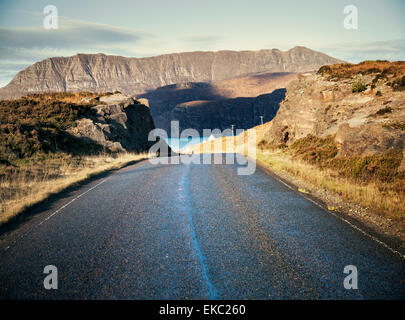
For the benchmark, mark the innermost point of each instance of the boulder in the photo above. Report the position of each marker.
(121, 123)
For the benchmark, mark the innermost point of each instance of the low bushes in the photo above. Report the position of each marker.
(322, 153)
(37, 124)
(358, 85)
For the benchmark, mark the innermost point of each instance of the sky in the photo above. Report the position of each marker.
(139, 28)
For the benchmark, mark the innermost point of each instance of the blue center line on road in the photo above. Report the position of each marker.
(212, 292)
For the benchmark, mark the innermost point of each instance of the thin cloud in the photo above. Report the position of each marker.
(360, 51)
(29, 45)
(71, 33)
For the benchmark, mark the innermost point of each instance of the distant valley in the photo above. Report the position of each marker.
(239, 101)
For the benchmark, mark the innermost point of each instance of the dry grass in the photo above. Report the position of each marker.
(393, 73)
(67, 97)
(348, 70)
(237, 144)
(388, 202)
(33, 181)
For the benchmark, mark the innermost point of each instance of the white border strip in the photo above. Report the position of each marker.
(344, 220)
(71, 201)
(55, 212)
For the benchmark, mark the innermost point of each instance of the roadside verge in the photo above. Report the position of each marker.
(327, 201)
(31, 192)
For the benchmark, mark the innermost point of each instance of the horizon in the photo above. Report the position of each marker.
(140, 29)
(179, 52)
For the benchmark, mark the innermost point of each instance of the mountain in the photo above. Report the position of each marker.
(134, 76)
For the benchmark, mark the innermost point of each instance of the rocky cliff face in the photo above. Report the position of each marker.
(362, 106)
(117, 122)
(102, 73)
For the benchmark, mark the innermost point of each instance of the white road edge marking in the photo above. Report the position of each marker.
(348, 222)
(55, 212)
(73, 200)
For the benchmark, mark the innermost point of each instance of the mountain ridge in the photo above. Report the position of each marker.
(102, 73)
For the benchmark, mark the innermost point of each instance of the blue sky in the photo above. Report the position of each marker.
(139, 28)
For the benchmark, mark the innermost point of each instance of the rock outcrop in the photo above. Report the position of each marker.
(102, 73)
(118, 122)
(362, 106)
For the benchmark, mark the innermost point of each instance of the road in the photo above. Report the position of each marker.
(193, 232)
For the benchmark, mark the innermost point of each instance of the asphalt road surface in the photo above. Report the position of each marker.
(193, 232)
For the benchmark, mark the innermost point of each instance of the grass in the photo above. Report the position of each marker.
(380, 67)
(371, 181)
(381, 198)
(33, 180)
(358, 85)
(37, 125)
(315, 150)
(38, 155)
(322, 152)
